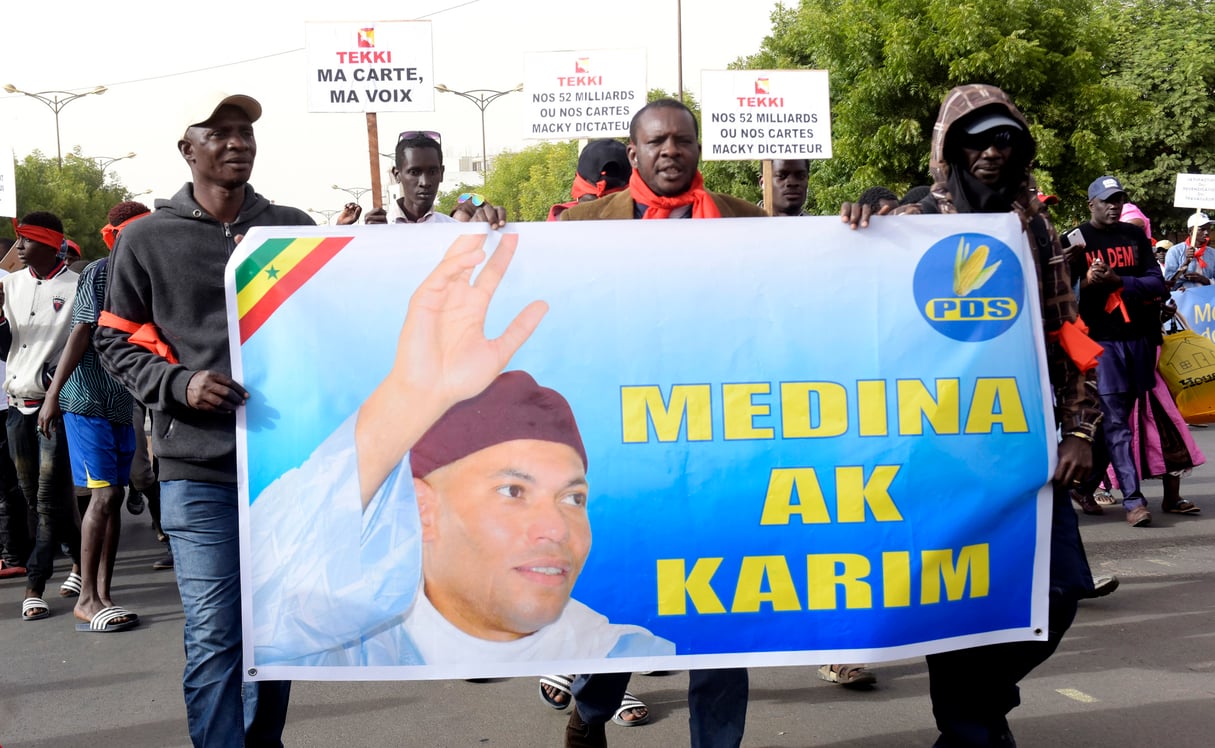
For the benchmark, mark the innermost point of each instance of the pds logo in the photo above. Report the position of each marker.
(969, 287)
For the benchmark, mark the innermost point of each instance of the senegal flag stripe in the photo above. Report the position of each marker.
(259, 259)
(287, 283)
(276, 267)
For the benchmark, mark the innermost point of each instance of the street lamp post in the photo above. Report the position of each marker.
(482, 98)
(55, 102)
(355, 192)
(328, 214)
(103, 162)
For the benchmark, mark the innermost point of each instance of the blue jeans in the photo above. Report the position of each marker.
(717, 703)
(201, 522)
(45, 476)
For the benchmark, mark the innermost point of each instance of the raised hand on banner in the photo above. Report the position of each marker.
(350, 214)
(443, 355)
(857, 215)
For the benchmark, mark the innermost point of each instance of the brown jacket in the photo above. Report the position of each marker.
(620, 207)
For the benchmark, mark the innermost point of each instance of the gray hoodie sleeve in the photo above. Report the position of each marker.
(151, 378)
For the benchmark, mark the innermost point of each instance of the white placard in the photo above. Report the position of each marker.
(376, 66)
(765, 114)
(8, 182)
(582, 94)
(1195, 191)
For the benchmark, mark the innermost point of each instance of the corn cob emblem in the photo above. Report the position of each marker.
(969, 273)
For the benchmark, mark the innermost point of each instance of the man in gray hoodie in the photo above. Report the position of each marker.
(164, 335)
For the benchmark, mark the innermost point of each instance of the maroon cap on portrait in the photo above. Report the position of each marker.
(512, 407)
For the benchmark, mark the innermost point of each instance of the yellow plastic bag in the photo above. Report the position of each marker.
(1187, 365)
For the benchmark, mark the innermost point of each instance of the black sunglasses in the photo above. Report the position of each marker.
(1001, 138)
(411, 134)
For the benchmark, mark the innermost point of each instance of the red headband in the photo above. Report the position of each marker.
(42, 235)
(109, 234)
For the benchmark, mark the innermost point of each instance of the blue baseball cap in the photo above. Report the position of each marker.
(1103, 187)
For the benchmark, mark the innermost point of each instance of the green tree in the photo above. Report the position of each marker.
(526, 182)
(1166, 56)
(78, 193)
(892, 61)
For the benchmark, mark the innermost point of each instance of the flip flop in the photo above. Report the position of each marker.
(1182, 506)
(561, 684)
(11, 570)
(848, 676)
(103, 621)
(34, 603)
(71, 586)
(630, 702)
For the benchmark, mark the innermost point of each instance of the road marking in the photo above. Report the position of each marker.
(1075, 695)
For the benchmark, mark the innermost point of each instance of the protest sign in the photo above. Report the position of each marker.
(374, 66)
(583, 93)
(765, 114)
(782, 467)
(1197, 305)
(1194, 191)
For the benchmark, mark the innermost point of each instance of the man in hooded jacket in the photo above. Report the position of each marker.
(164, 335)
(981, 157)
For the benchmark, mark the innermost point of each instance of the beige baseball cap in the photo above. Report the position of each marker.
(202, 106)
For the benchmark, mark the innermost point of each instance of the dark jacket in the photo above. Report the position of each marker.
(168, 269)
(1076, 407)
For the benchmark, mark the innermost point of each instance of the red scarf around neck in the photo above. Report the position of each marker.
(661, 207)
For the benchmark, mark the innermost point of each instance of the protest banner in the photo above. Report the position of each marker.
(582, 93)
(765, 114)
(373, 66)
(1194, 191)
(1197, 305)
(783, 465)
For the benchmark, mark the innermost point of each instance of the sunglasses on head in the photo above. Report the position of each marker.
(1000, 137)
(477, 200)
(411, 134)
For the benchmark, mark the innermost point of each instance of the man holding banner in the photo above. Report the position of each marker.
(664, 148)
(981, 156)
(163, 335)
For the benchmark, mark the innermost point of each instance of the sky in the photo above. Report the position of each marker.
(151, 58)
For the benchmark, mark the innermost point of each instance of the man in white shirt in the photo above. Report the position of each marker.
(36, 306)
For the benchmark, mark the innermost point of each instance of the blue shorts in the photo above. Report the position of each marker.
(101, 450)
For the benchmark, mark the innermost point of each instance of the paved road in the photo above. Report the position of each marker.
(1137, 669)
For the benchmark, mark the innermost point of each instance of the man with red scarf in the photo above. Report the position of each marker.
(1187, 264)
(36, 318)
(664, 151)
(603, 169)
